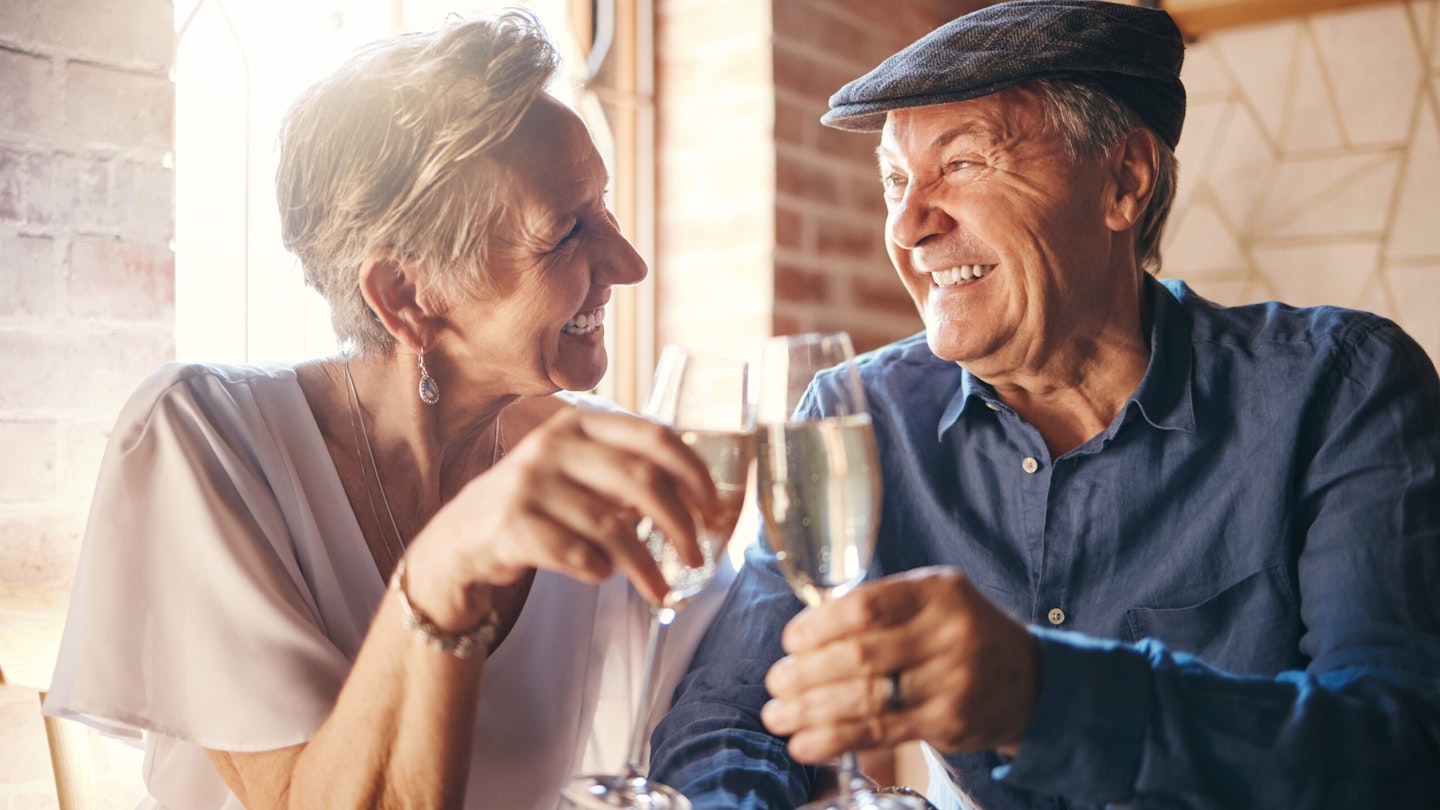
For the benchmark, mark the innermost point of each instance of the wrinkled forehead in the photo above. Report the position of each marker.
(546, 125)
(996, 121)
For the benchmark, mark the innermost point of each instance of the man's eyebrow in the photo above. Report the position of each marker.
(969, 128)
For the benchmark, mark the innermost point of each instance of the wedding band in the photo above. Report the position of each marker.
(894, 701)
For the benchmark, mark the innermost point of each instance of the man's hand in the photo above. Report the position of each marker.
(968, 675)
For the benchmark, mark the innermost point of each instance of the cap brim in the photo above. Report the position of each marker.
(869, 116)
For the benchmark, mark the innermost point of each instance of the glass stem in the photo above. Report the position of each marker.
(660, 620)
(849, 765)
(848, 768)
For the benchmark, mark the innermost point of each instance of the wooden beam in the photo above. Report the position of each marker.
(71, 763)
(1199, 17)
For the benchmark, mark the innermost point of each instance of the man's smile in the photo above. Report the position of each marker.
(960, 274)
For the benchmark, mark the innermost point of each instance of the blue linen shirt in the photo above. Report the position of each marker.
(1235, 587)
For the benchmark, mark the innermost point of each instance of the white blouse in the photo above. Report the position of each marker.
(224, 590)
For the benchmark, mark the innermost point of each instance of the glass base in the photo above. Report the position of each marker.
(865, 800)
(608, 792)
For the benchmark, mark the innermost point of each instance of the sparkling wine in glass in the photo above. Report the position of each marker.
(818, 483)
(705, 400)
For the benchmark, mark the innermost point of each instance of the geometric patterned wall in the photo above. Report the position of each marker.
(1310, 165)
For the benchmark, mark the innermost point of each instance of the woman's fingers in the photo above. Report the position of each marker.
(611, 534)
(659, 444)
(568, 496)
(635, 483)
(639, 465)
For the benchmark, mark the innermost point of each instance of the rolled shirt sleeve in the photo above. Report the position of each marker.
(712, 745)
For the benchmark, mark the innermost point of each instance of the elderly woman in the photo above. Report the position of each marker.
(232, 605)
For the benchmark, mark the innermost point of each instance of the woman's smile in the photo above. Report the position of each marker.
(587, 323)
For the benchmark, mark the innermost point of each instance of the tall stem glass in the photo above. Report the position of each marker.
(705, 400)
(818, 484)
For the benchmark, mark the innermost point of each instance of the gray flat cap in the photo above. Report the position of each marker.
(1132, 53)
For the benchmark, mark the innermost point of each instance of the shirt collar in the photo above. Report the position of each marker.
(971, 388)
(1164, 397)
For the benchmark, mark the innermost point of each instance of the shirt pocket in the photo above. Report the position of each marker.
(1250, 628)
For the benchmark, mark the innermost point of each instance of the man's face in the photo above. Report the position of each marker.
(1000, 238)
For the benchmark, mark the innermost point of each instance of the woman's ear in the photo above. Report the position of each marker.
(390, 284)
(1134, 165)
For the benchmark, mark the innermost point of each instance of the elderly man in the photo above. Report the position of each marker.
(1136, 548)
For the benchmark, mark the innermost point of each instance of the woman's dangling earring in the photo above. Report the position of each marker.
(429, 391)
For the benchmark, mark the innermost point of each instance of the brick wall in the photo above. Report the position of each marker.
(86, 304)
(770, 223)
(831, 271)
(86, 307)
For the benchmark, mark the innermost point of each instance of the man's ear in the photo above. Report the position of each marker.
(390, 284)
(1134, 164)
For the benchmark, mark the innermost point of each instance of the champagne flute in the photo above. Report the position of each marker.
(818, 482)
(705, 400)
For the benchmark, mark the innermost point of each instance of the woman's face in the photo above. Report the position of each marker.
(552, 259)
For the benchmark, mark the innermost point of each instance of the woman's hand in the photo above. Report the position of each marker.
(566, 499)
(968, 674)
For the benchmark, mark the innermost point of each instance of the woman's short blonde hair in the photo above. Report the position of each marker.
(390, 151)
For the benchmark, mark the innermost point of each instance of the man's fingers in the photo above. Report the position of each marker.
(828, 704)
(863, 654)
(819, 742)
(882, 603)
(967, 673)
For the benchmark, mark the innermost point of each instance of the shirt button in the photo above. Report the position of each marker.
(992, 406)
(1029, 465)
(1056, 616)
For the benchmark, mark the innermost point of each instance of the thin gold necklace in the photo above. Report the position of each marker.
(357, 413)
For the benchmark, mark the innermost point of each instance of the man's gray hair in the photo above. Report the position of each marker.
(390, 151)
(1092, 121)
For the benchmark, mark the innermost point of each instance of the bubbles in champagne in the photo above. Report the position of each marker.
(820, 499)
(727, 454)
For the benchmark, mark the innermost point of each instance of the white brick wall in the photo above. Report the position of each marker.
(86, 309)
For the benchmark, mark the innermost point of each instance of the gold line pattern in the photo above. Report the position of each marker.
(1355, 223)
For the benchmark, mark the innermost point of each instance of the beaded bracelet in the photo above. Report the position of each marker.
(901, 790)
(460, 645)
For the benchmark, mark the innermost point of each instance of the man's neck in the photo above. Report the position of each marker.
(1073, 393)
